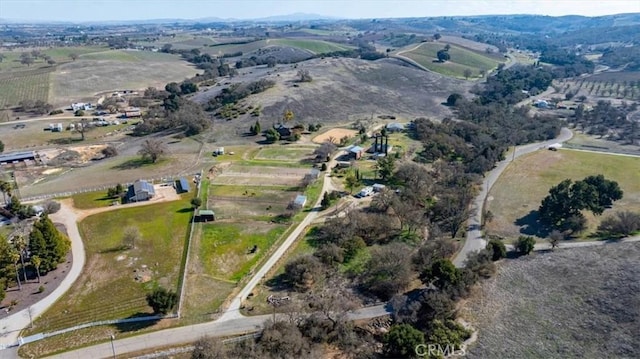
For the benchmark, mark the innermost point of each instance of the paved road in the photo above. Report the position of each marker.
(11, 326)
(233, 311)
(474, 241)
(545, 246)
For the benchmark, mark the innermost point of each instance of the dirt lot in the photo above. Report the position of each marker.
(260, 176)
(335, 133)
(573, 303)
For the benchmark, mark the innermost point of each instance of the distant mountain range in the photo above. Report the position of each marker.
(295, 17)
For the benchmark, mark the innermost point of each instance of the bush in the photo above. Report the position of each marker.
(41, 289)
(621, 223)
(162, 300)
(497, 249)
(323, 167)
(109, 151)
(525, 244)
(56, 112)
(79, 113)
(401, 340)
(51, 207)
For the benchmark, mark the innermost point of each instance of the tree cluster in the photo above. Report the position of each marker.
(610, 121)
(48, 244)
(561, 209)
(237, 92)
(507, 85)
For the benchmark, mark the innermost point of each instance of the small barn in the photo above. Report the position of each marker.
(299, 201)
(356, 152)
(182, 185)
(206, 215)
(395, 127)
(12, 157)
(140, 191)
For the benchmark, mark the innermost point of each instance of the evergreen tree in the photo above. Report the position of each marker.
(46, 242)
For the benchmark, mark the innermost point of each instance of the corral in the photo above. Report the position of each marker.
(334, 135)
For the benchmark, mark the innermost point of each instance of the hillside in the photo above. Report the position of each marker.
(344, 90)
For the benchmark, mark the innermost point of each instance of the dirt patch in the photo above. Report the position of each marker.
(87, 153)
(572, 303)
(336, 134)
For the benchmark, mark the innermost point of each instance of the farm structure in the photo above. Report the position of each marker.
(81, 106)
(380, 145)
(395, 127)
(206, 215)
(356, 152)
(15, 157)
(140, 191)
(132, 112)
(299, 201)
(182, 185)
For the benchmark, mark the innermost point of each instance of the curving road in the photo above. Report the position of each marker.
(474, 241)
(13, 324)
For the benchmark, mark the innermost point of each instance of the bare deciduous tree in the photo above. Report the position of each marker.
(152, 149)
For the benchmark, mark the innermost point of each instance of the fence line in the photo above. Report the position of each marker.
(185, 270)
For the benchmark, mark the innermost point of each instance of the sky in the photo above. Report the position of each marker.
(101, 10)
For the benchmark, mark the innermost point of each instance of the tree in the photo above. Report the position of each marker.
(271, 61)
(272, 135)
(303, 272)
(497, 248)
(51, 207)
(287, 116)
(555, 237)
(525, 244)
(467, 73)
(82, 127)
(443, 55)
(73, 56)
(152, 149)
(621, 223)
(27, 60)
(51, 62)
(6, 188)
(188, 87)
(324, 151)
(209, 348)
(561, 208)
(46, 242)
(36, 262)
(161, 300)
(196, 202)
(385, 167)
(1, 146)
(173, 88)
(401, 341)
(388, 272)
(351, 181)
(326, 202)
(109, 151)
(442, 274)
(453, 99)
(304, 76)
(437, 36)
(256, 128)
(130, 237)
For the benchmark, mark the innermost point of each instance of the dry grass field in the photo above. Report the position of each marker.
(238, 174)
(115, 70)
(571, 303)
(527, 180)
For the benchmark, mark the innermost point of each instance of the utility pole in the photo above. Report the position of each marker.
(113, 348)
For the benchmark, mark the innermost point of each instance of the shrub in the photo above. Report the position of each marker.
(401, 340)
(109, 151)
(56, 112)
(497, 249)
(162, 300)
(525, 244)
(41, 289)
(621, 223)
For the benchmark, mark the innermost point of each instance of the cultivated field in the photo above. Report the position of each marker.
(23, 85)
(527, 180)
(461, 59)
(310, 45)
(285, 152)
(115, 281)
(617, 85)
(115, 70)
(571, 303)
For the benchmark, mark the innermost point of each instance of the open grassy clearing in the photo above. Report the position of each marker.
(251, 175)
(115, 70)
(249, 202)
(37, 134)
(115, 281)
(18, 86)
(89, 200)
(58, 54)
(315, 46)
(461, 60)
(284, 152)
(585, 141)
(571, 303)
(527, 180)
(228, 245)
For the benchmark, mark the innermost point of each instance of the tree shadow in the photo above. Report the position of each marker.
(133, 164)
(137, 322)
(64, 140)
(530, 225)
(185, 210)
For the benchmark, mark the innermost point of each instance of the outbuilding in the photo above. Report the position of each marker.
(206, 215)
(182, 185)
(140, 191)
